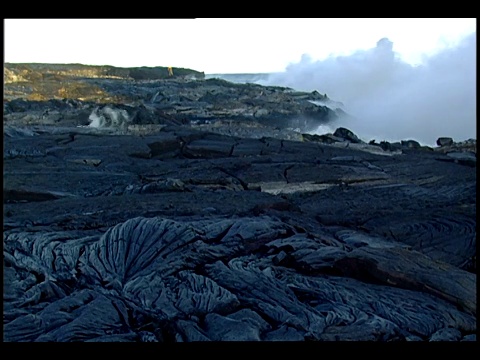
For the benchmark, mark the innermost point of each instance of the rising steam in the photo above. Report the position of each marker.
(109, 118)
(392, 100)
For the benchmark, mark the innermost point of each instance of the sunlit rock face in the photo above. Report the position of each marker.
(144, 222)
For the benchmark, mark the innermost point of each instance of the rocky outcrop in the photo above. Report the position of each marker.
(185, 97)
(151, 229)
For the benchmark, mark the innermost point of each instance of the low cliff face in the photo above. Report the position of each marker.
(53, 81)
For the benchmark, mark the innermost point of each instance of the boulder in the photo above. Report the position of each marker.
(444, 141)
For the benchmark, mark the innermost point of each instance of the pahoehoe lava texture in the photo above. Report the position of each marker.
(171, 229)
(216, 280)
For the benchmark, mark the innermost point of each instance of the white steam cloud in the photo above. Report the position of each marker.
(392, 100)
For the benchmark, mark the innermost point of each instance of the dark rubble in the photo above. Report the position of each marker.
(171, 232)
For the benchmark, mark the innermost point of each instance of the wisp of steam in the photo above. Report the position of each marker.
(109, 118)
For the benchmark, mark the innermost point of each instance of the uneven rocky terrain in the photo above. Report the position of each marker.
(179, 209)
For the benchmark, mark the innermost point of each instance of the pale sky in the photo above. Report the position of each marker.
(223, 45)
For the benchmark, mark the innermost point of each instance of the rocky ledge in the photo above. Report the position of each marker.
(143, 221)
